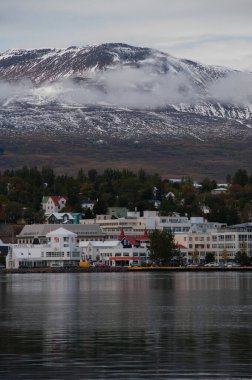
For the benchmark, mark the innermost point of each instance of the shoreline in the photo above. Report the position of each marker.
(125, 270)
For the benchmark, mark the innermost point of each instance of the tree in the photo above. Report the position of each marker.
(162, 246)
(167, 206)
(209, 257)
(100, 207)
(92, 175)
(208, 185)
(225, 255)
(195, 257)
(88, 214)
(241, 256)
(241, 177)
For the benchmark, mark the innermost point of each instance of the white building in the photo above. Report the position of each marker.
(60, 250)
(53, 204)
(36, 233)
(134, 224)
(125, 251)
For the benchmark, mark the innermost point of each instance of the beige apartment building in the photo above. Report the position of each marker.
(134, 224)
(224, 243)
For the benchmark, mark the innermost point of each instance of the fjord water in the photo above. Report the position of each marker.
(126, 325)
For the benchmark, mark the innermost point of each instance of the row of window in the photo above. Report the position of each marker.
(219, 238)
(203, 254)
(55, 254)
(220, 246)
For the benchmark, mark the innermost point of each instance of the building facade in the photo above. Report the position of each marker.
(36, 233)
(125, 251)
(223, 243)
(60, 250)
(54, 203)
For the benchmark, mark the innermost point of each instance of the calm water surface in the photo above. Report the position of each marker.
(126, 326)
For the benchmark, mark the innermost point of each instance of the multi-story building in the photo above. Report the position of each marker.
(231, 240)
(60, 250)
(134, 224)
(224, 243)
(127, 250)
(36, 233)
(198, 244)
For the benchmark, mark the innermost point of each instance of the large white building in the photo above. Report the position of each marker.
(36, 233)
(223, 243)
(60, 250)
(134, 224)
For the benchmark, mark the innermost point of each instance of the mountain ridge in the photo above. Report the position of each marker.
(117, 93)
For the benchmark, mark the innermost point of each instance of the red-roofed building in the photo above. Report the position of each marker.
(54, 203)
(133, 241)
(132, 250)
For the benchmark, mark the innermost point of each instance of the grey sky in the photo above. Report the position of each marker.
(210, 31)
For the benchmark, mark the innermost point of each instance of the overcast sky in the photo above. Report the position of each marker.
(210, 31)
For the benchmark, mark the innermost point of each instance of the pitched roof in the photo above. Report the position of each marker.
(122, 234)
(134, 240)
(37, 230)
(62, 232)
(100, 244)
(56, 199)
(180, 246)
(59, 215)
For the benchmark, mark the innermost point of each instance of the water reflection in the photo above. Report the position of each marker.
(125, 326)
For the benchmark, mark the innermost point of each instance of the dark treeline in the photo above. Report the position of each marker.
(21, 193)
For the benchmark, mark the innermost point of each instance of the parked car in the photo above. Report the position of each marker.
(211, 265)
(231, 265)
(192, 265)
(102, 266)
(56, 266)
(69, 265)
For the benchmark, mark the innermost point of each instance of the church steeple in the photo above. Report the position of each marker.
(122, 235)
(146, 235)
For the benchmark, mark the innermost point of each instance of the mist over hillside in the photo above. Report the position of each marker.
(116, 93)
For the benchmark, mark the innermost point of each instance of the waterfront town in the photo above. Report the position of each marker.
(210, 223)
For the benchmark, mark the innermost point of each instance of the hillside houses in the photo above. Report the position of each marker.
(53, 204)
(60, 218)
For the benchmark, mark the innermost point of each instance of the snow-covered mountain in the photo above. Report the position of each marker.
(53, 64)
(116, 92)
